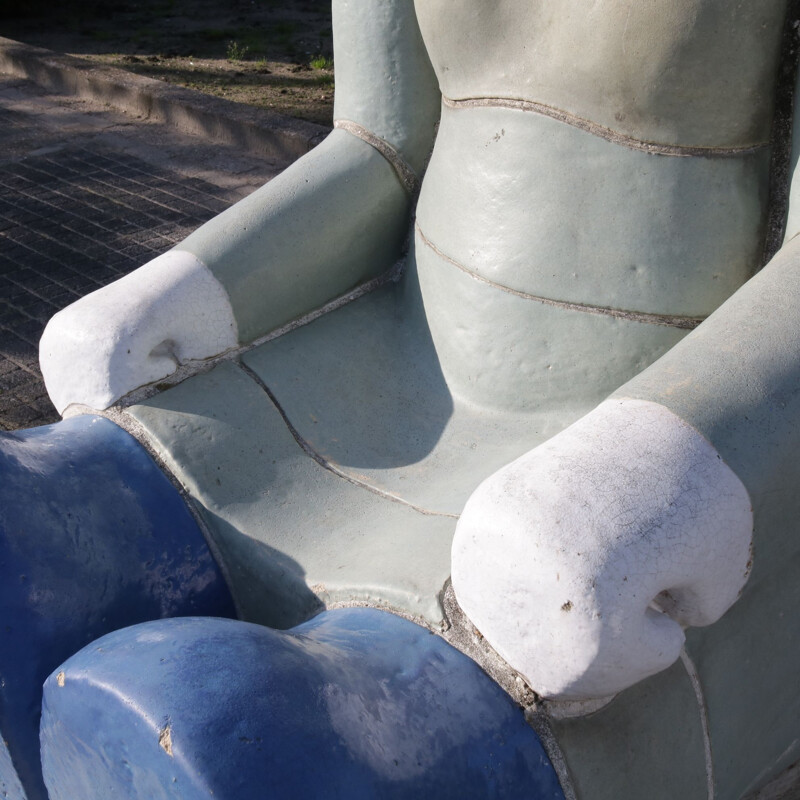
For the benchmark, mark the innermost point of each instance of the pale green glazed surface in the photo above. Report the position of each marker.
(300, 240)
(506, 352)
(647, 743)
(736, 379)
(282, 523)
(747, 663)
(551, 210)
(364, 388)
(688, 72)
(384, 79)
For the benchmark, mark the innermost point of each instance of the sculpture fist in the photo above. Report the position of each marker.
(581, 561)
(135, 331)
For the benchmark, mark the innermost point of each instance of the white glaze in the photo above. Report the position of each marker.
(135, 331)
(559, 555)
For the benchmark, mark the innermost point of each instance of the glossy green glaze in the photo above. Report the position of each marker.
(261, 251)
(365, 390)
(648, 742)
(502, 351)
(291, 533)
(384, 79)
(546, 208)
(735, 379)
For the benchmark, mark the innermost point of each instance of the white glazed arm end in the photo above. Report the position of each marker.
(560, 556)
(135, 331)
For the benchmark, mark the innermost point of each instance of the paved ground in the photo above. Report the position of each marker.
(86, 195)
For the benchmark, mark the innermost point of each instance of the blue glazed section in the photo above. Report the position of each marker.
(356, 703)
(10, 788)
(93, 537)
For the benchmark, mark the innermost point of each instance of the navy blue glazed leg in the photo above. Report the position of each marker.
(93, 537)
(355, 703)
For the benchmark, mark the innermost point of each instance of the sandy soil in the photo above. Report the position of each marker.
(274, 54)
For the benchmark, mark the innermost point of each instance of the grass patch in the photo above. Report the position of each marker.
(321, 62)
(236, 51)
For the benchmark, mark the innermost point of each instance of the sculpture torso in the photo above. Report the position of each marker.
(610, 155)
(685, 72)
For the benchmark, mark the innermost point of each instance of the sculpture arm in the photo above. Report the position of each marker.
(335, 218)
(565, 558)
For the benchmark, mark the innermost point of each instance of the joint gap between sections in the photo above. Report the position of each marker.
(694, 679)
(601, 131)
(684, 323)
(541, 724)
(404, 171)
(460, 632)
(190, 368)
(323, 462)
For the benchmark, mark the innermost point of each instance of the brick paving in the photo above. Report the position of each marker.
(83, 202)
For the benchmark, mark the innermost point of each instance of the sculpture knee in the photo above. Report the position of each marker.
(355, 703)
(581, 561)
(135, 331)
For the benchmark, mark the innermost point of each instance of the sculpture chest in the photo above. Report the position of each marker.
(689, 72)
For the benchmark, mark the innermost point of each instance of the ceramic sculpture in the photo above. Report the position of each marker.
(503, 324)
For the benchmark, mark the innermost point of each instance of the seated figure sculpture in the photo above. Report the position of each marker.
(566, 388)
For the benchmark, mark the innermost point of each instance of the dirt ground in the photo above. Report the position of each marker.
(276, 54)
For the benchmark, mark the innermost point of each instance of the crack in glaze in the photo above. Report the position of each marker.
(323, 462)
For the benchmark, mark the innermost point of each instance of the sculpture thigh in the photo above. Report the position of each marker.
(93, 537)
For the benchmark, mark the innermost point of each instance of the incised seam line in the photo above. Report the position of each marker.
(193, 367)
(323, 462)
(684, 323)
(694, 678)
(404, 172)
(610, 135)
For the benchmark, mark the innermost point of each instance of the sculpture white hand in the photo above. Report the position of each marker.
(135, 331)
(560, 556)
